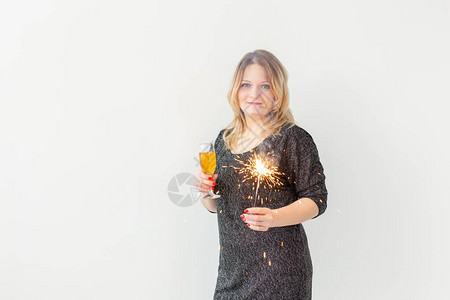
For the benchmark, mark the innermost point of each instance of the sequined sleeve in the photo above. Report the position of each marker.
(219, 145)
(304, 167)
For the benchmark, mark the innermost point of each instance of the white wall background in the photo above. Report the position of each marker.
(102, 103)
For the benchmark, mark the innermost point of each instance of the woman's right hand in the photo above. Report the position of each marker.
(205, 183)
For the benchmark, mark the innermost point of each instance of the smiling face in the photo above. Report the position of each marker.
(255, 95)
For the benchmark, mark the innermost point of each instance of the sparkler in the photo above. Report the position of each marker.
(259, 168)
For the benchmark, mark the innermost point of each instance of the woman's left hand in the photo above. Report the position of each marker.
(258, 218)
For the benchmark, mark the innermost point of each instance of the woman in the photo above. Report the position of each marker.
(264, 251)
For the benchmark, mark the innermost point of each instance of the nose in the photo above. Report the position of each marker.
(255, 91)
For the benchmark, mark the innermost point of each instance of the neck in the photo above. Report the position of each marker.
(256, 126)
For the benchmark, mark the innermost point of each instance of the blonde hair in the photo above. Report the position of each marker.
(279, 115)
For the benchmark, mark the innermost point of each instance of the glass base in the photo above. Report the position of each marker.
(211, 196)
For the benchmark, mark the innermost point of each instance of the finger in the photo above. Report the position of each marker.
(208, 183)
(206, 187)
(207, 177)
(200, 174)
(253, 218)
(199, 177)
(256, 210)
(203, 176)
(258, 220)
(199, 180)
(257, 227)
(256, 223)
(204, 182)
(198, 183)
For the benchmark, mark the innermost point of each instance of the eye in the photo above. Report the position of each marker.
(245, 85)
(266, 86)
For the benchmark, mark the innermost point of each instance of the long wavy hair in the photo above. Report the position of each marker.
(278, 77)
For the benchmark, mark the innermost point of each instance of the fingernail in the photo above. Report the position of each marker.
(246, 211)
(210, 178)
(248, 225)
(241, 216)
(214, 183)
(243, 219)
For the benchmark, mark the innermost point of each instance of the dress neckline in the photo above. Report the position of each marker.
(251, 150)
(254, 148)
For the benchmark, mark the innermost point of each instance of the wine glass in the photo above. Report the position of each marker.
(208, 163)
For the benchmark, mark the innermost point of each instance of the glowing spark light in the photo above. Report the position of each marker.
(258, 168)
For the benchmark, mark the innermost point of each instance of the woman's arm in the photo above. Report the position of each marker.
(209, 204)
(298, 212)
(305, 175)
(262, 218)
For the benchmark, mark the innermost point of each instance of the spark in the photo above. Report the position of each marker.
(259, 169)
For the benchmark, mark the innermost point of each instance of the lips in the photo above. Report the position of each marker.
(254, 103)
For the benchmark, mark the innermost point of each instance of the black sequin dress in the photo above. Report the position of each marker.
(275, 264)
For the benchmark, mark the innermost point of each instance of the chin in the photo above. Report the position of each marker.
(255, 114)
